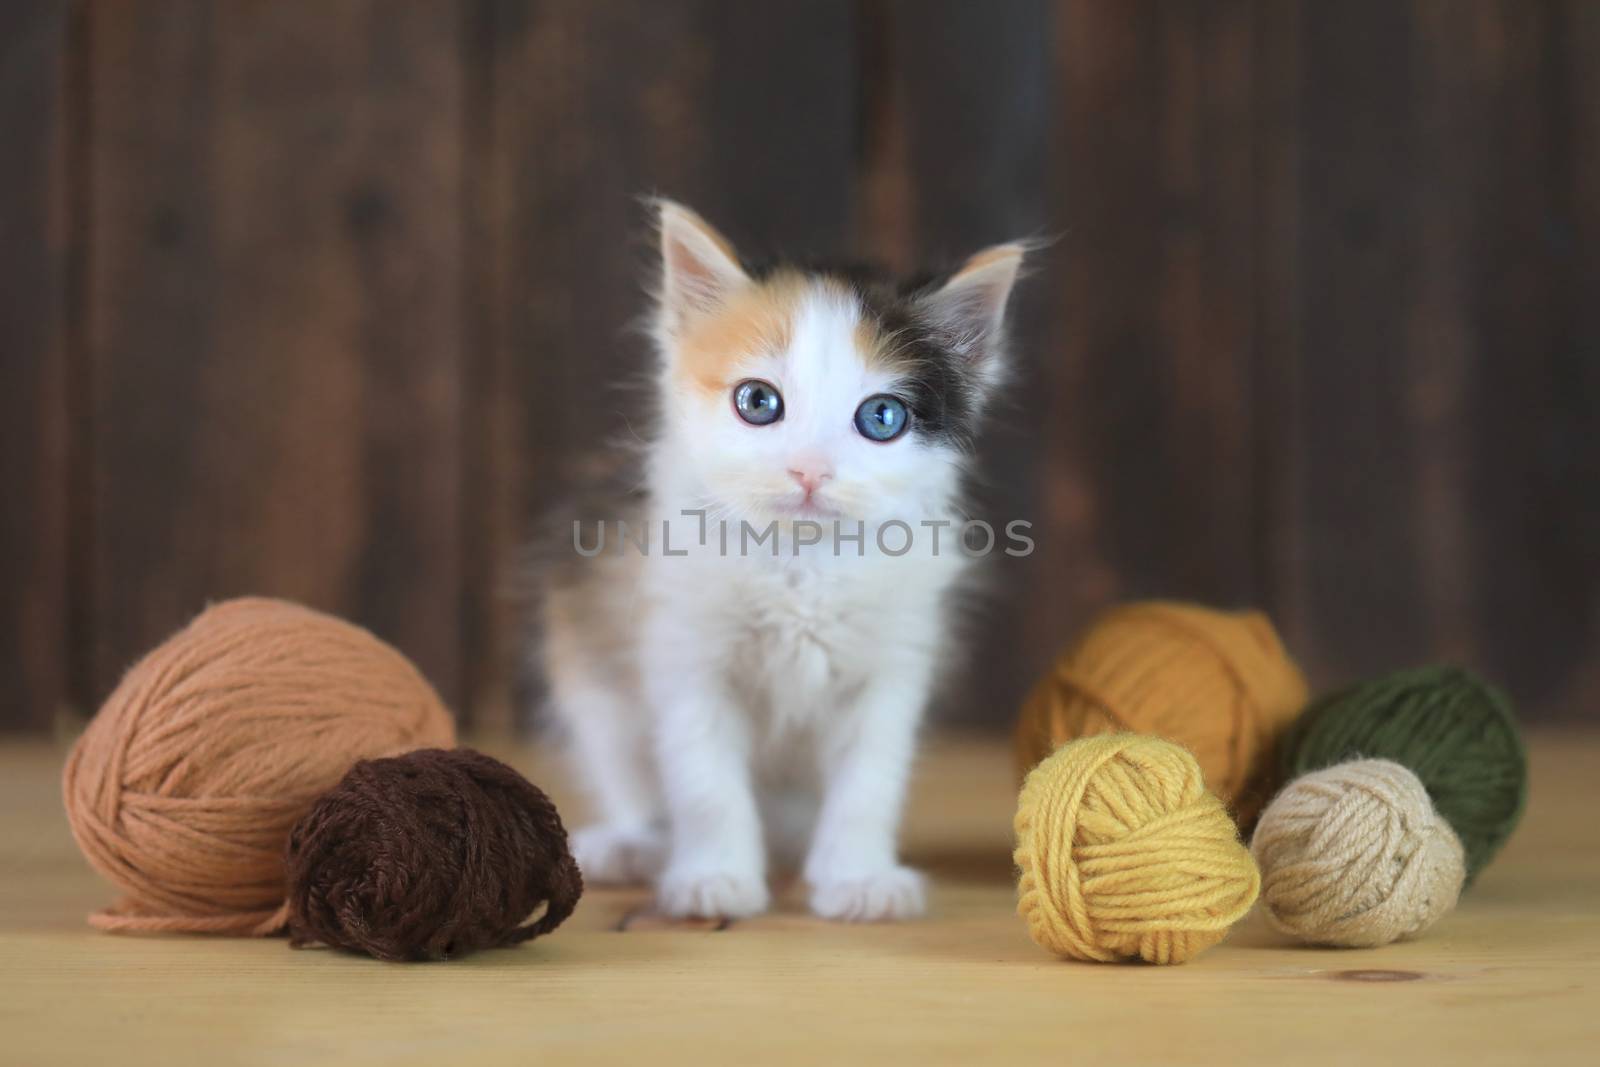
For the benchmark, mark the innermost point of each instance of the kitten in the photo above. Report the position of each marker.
(729, 697)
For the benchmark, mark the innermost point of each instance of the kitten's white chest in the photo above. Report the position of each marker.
(815, 632)
(796, 641)
(800, 640)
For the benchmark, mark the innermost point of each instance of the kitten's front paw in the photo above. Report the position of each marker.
(893, 893)
(608, 854)
(701, 893)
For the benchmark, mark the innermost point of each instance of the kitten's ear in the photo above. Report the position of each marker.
(699, 268)
(971, 306)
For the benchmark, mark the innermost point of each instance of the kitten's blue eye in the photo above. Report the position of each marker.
(882, 418)
(757, 402)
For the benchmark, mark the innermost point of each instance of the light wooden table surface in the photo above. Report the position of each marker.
(1512, 977)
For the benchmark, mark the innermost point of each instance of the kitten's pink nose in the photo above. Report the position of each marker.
(810, 477)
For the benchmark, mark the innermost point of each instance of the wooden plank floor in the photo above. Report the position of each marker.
(1512, 977)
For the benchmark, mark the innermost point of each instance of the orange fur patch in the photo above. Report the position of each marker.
(758, 318)
(875, 346)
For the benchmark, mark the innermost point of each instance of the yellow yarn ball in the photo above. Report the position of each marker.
(1124, 853)
(1217, 682)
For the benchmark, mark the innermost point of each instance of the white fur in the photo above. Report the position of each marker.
(754, 704)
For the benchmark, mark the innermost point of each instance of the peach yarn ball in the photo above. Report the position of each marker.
(1217, 682)
(184, 787)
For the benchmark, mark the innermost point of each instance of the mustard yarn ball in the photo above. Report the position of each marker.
(1124, 854)
(1217, 682)
(1356, 856)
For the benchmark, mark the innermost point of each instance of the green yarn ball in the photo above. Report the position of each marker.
(1456, 732)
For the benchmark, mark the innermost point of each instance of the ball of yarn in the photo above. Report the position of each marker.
(184, 787)
(1355, 855)
(427, 856)
(1455, 732)
(1219, 683)
(1124, 853)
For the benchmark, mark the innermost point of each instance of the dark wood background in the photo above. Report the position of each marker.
(323, 299)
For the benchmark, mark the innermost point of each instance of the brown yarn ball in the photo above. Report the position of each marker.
(183, 788)
(428, 856)
(1217, 682)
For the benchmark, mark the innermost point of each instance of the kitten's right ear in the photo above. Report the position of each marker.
(699, 268)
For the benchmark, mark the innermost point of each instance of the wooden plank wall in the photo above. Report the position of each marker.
(326, 300)
(35, 404)
(275, 317)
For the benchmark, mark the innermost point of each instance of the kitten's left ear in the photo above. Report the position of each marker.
(699, 268)
(971, 306)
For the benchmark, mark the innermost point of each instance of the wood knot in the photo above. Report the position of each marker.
(647, 918)
(1375, 976)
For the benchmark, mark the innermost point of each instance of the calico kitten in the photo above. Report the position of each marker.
(732, 696)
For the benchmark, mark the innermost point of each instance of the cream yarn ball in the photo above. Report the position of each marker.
(1355, 856)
